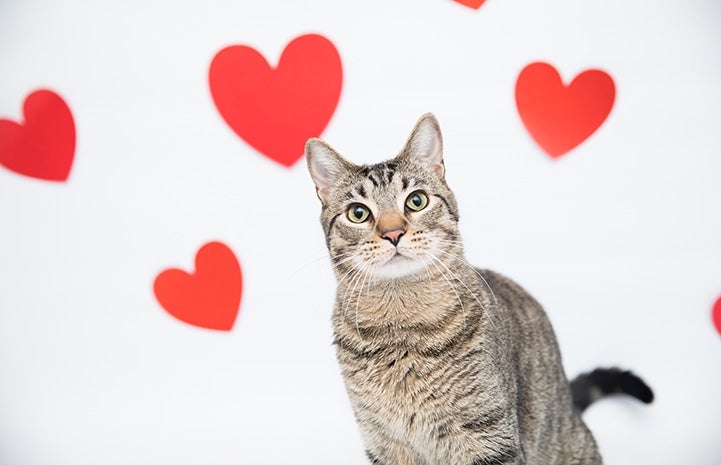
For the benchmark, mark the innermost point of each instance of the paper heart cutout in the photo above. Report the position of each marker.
(210, 296)
(560, 117)
(276, 110)
(475, 4)
(42, 146)
(716, 315)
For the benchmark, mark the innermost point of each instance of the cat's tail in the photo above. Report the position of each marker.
(587, 388)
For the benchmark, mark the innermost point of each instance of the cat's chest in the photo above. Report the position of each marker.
(399, 373)
(401, 389)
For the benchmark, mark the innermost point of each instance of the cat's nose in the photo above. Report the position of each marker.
(394, 236)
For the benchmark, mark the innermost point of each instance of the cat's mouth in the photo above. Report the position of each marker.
(398, 266)
(397, 257)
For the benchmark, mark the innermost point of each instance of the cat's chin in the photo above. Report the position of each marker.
(399, 266)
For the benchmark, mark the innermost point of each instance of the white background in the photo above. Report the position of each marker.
(619, 238)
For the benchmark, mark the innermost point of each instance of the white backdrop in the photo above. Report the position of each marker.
(619, 237)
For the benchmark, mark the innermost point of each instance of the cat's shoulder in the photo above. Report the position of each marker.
(505, 288)
(496, 278)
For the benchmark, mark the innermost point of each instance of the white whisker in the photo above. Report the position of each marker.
(485, 312)
(357, 303)
(354, 281)
(345, 260)
(352, 269)
(464, 262)
(460, 301)
(316, 260)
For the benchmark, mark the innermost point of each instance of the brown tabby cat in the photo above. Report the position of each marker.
(444, 364)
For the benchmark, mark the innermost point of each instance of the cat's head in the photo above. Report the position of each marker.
(395, 219)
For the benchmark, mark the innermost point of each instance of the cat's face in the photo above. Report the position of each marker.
(391, 220)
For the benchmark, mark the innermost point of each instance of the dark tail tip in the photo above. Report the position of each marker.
(635, 386)
(590, 387)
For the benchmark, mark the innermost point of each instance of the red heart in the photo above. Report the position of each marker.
(716, 315)
(560, 117)
(209, 297)
(43, 145)
(475, 4)
(276, 110)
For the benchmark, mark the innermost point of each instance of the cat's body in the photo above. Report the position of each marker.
(453, 388)
(444, 364)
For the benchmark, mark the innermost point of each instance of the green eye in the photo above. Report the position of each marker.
(417, 201)
(358, 213)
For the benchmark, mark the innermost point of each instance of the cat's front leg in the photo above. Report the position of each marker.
(499, 460)
(488, 436)
(373, 459)
(393, 455)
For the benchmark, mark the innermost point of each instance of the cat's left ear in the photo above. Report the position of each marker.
(425, 144)
(325, 166)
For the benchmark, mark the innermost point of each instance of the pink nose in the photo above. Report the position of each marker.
(393, 236)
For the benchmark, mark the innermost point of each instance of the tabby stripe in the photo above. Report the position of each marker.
(444, 376)
(350, 349)
(503, 456)
(446, 382)
(373, 458)
(439, 327)
(450, 234)
(443, 431)
(471, 372)
(327, 233)
(373, 179)
(462, 339)
(331, 223)
(453, 213)
(389, 175)
(481, 425)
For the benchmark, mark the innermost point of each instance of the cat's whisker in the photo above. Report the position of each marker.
(353, 273)
(346, 260)
(333, 258)
(428, 271)
(343, 255)
(464, 262)
(304, 265)
(460, 301)
(351, 256)
(354, 282)
(339, 257)
(351, 269)
(357, 303)
(359, 278)
(449, 241)
(485, 311)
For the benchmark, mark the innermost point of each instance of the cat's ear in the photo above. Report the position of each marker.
(425, 144)
(325, 166)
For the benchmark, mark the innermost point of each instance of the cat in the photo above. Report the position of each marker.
(444, 364)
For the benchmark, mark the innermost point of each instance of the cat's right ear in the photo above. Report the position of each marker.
(425, 144)
(325, 166)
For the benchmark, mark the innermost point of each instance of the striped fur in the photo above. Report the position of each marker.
(444, 364)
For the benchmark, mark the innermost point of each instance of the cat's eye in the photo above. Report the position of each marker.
(417, 201)
(358, 213)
